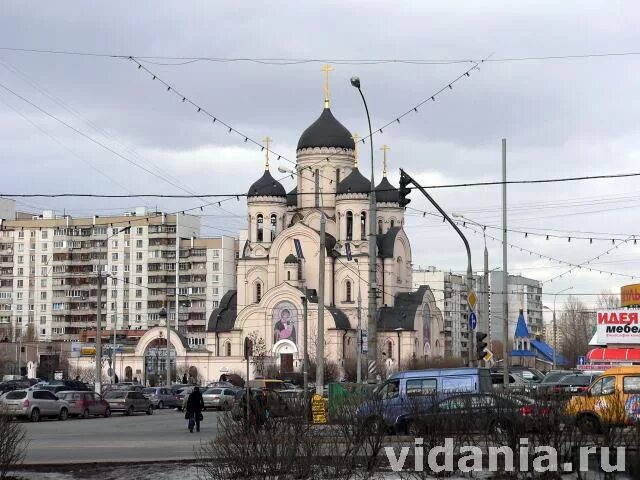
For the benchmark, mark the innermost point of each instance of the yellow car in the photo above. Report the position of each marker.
(612, 399)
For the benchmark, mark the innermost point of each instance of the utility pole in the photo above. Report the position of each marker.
(359, 342)
(320, 347)
(485, 294)
(305, 345)
(505, 274)
(98, 382)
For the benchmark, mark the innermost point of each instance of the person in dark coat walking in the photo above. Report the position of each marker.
(195, 405)
(184, 379)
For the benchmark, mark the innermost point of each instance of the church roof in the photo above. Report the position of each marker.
(223, 318)
(386, 193)
(386, 242)
(339, 317)
(291, 258)
(292, 198)
(355, 182)
(266, 186)
(326, 131)
(521, 328)
(403, 313)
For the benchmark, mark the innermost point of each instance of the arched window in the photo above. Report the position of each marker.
(363, 226)
(258, 292)
(347, 293)
(316, 177)
(380, 226)
(299, 269)
(259, 231)
(274, 221)
(227, 349)
(349, 226)
(399, 270)
(392, 223)
(288, 275)
(389, 349)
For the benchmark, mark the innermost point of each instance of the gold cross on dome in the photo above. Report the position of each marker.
(267, 143)
(356, 138)
(384, 148)
(326, 69)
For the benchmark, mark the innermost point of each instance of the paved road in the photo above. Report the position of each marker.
(161, 436)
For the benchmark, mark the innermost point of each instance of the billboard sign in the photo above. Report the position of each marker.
(630, 295)
(618, 326)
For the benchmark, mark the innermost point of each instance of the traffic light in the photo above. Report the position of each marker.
(404, 190)
(248, 348)
(481, 345)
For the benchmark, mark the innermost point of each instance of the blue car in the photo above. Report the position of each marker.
(405, 392)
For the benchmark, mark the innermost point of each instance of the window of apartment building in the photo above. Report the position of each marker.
(19, 295)
(138, 318)
(127, 243)
(114, 256)
(138, 293)
(43, 307)
(139, 231)
(43, 295)
(215, 266)
(138, 280)
(32, 233)
(125, 305)
(20, 283)
(43, 320)
(44, 271)
(216, 253)
(43, 282)
(126, 268)
(32, 270)
(114, 293)
(31, 307)
(58, 244)
(113, 305)
(115, 231)
(58, 306)
(45, 246)
(76, 244)
(138, 268)
(20, 259)
(215, 303)
(20, 271)
(44, 234)
(114, 268)
(59, 269)
(138, 243)
(114, 243)
(21, 234)
(138, 305)
(138, 255)
(44, 258)
(21, 247)
(32, 258)
(114, 281)
(215, 278)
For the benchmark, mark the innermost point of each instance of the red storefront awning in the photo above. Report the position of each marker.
(614, 355)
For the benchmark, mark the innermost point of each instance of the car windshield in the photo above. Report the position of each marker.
(553, 377)
(213, 391)
(149, 390)
(115, 394)
(17, 395)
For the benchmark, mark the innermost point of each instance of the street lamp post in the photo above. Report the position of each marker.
(372, 329)
(399, 332)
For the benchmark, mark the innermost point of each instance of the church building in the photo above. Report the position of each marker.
(273, 275)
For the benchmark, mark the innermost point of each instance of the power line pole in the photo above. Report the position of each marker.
(485, 295)
(359, 342)
(320, 347)
(505, 274)
(98, 382)
(305, 346)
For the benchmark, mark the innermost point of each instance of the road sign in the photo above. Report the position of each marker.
(110, 372)
(582, 360)
(318, 409)
(488, 355)
(472, 299)
(365, 341)
(347, 249)
(473, 320)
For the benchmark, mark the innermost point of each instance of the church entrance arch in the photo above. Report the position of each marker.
(284, 352)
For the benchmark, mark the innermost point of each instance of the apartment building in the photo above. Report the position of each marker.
(450, 292)
(49, 273)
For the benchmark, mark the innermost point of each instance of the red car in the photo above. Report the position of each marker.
(85, 404)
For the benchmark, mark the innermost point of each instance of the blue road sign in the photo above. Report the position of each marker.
(473, 320)
(298, 246)
(347, 249)
(582, 360)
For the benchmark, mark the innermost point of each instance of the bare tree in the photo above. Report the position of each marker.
(575, 328)
(259, 353)
(13, 444)
(607, 300)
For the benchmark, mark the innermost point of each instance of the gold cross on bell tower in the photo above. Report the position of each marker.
(384, 148)
(267, 143)
(326, 69)
(356, 138)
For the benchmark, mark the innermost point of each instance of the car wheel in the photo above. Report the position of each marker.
(64, 414)
(589, 425)
(129, 411)
(160, 405)
(85, 414)
(35, 415)
(107, 412)
(150, 410)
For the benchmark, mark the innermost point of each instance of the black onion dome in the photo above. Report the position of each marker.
(326, 131)
(267, 186)
(291, 258)
(292, 198)
(355, 182)
(386, 193)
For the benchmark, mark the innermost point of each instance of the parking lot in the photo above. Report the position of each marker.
(161, 436)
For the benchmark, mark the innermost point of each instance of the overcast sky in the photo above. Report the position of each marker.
(562, 117)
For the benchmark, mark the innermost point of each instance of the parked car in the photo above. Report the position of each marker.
(266, 383)
(220, 398)
(178, 386)
(614, 398)
(84, 404)
(162, 397)
(75, 385)
(128, 402)
(183, 396)
(35, 404)
(558, 384)
(397, 395)
(516, 382)
(472, 412)
(275, 404)
(221, 385)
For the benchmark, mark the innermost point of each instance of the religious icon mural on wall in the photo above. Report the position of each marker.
(285, 322)
(426, 331)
